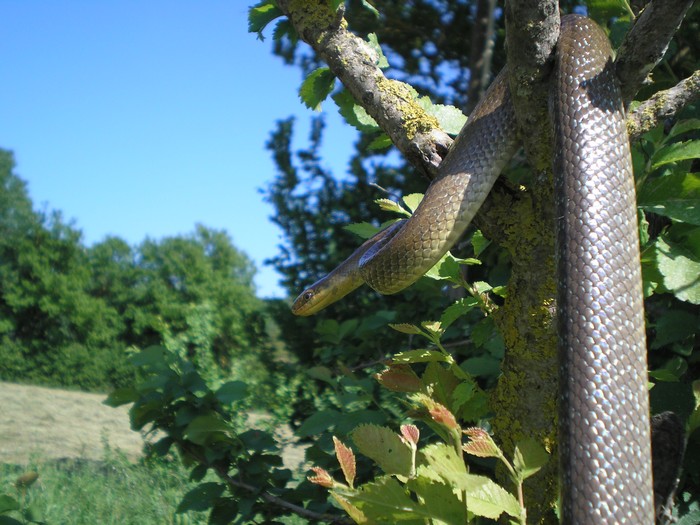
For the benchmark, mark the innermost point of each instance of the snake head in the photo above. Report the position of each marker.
(308, 302)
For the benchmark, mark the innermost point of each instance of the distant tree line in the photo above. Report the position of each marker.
(70, 313)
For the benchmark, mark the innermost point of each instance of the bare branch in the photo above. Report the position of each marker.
(532, 29)
(481, 52)
(645, 44)
(415, 133)
(662, 105)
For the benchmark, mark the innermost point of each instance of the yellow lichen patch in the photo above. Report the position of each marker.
(313, 14)
(402, 96)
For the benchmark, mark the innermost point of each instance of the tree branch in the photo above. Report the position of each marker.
(646, 42)
(415, 133)
(532, 29)
(662, 105)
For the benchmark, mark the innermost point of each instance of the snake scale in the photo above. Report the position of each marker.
(604, 437)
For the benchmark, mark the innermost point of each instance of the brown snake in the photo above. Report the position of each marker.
(604, 438)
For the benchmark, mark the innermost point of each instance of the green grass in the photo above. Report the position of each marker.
(109, 492)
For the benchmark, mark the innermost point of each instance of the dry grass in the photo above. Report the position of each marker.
(61, 424)
(54, 424)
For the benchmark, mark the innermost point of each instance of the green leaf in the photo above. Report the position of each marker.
(6, 520)
(676, 152)
(603, 9)
(318, 422)
(223, 511)
(383, 501)
(412, 201)
(671, 371)
(451, 119)
(680, 270)
(440, 462)
(418, 356)
(389, 205)
(381, 142)
(406, 328)
(370, 8)
(121, 396)
(684, 126)
(529, 457)
(231, 392)
(674, 325)
(262, 14)
(457, 309)
(353, 113)
(205, 429)
(479, 242)
(440, 501)
(364, 230)
(316, 87)
(8, 503)
(382, 62)
(676, 196)
(490, 500)
(385, 448)
(201, 497)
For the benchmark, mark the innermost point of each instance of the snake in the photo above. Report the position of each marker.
(605, 471)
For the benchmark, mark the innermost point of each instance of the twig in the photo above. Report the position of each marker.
(662, 105)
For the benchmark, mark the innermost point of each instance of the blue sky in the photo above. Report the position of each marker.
(141, 119)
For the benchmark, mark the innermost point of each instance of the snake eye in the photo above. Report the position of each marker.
(308, 295)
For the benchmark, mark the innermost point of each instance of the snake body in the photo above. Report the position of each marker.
(604, 438)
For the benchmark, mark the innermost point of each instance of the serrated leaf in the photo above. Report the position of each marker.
(201, 497)
(383, 501)
(490, 500)
(385, 448)
(353, 113)
(231, 392)
(676, 196)
(680, 270)
(346, 459)
(355, 513)
(399, 378)
(457, 309)
(262, 14)
(418, 356)
(412, 200)
(440, 462)
(389, 205)
(481, 444)
(676, 152)
(406, 328)
(440, 501)
(529, 457)
(364, 230)
(451, 119)
(316, 87)
(382, 62)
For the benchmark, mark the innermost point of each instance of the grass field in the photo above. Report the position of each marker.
(88, 460)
